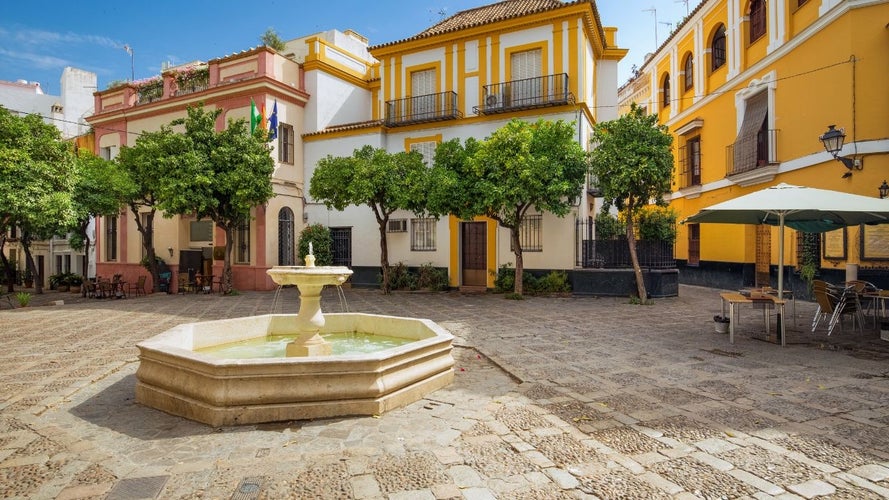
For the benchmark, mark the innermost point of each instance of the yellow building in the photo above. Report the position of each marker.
(747, 87)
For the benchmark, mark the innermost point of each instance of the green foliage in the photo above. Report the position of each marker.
(432, 278)
(384, 181)
(63, 279)
(633, 160)
(514, 296)
(322, 244)
(24, 298)
(657, 224)
(146, 262)
(552, 282)
(427, 277)
(608, 227)
(271, 39)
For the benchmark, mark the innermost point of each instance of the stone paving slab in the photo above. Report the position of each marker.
(554, 397)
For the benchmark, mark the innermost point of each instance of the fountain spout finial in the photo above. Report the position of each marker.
(310, 257)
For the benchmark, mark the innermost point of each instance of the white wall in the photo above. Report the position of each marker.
(334, 102)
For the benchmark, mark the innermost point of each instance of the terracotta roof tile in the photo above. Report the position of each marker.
(486, 14)
(346, 126)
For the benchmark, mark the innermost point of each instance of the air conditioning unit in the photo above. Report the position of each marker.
(397, 226)
(493, 101)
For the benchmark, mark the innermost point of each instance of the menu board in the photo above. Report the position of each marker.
(875, 242)
(835, 244)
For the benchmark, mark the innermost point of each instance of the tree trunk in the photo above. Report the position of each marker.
(7, 267)
(519, 262)
(31, 265)
(226, 282)
(147, 232)
(384, 254)
(634, 258)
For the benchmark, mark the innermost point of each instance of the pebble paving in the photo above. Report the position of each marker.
(554, 398)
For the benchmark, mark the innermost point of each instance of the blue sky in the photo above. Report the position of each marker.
(37, 42)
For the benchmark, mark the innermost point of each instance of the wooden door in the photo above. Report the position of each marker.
(763, 255)
(473, 253)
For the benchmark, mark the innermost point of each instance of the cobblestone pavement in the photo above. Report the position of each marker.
(553, 398)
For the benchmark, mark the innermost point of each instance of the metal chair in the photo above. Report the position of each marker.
(847, 305)
(138, 286)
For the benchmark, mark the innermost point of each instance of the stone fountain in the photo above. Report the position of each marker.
(175, 375)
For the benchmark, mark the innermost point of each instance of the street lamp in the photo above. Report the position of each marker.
(884, 189)
(833, 144)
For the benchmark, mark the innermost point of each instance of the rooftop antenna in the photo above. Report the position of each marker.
(686, 5)
(129, 50)
(669, 25)
(653, 11)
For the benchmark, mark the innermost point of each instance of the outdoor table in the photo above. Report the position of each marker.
(733, 298)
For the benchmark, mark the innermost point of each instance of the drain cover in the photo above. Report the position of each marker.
(248, 489)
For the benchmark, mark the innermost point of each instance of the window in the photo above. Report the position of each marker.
(694, 245)
(342, 246)
(757, 20)
(666, 91)
(423, 93)
(242, 243)
(530, 234)
(422, 235)
(285, 237)
(693, 150)
(751, 148)
(799, 3)
(67, 264)
(689, 73)
(110, 238)
(427, 149)
(525, 69)
(200, 232)
(717, 48)
(285, 143)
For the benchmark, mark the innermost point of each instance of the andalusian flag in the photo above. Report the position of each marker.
(255, 117)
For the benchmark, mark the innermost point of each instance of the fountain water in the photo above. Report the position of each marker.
(310, 382)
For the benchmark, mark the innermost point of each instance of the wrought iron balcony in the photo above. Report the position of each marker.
(537, 92)
(421, 109)
(760, 150)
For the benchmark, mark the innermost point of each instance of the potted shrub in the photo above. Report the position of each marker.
(58, 282)
(722, 323)
(75, 281)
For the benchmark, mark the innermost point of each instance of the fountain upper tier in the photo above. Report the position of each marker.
(309, 275)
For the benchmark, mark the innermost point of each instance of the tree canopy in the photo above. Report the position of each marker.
(37, 172)
(271, 39)
(520, 166)
(633, 164)
(384, 181)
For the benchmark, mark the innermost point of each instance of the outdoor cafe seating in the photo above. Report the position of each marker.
(851, 299)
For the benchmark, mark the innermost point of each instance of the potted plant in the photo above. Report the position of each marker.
(58, 282)
(721, 323)
(75, 281)
(24, 298)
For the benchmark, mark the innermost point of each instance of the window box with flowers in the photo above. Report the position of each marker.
(192, 79)
(149, 89)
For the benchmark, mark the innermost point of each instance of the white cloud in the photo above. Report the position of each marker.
(36, 60)
(42, 37)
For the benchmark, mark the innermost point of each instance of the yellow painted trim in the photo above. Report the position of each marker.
(408, 141)
(558, 48)
(375, 104)
(573, 60)
(492, 250)
(495, 58)
(343, 133)
(470, 74)
(338, 71)
(482, 66)
(454, 244)
(398, 78)
(461, 75)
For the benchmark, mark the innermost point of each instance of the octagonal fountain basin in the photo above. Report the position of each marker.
(177, 375)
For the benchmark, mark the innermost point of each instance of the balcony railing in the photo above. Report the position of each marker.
(421, 109)
(758, 151)
(614, 253)
(150, 92)
(190, 84)
(538, 92)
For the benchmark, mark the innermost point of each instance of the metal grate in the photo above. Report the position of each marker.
(342, 246)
